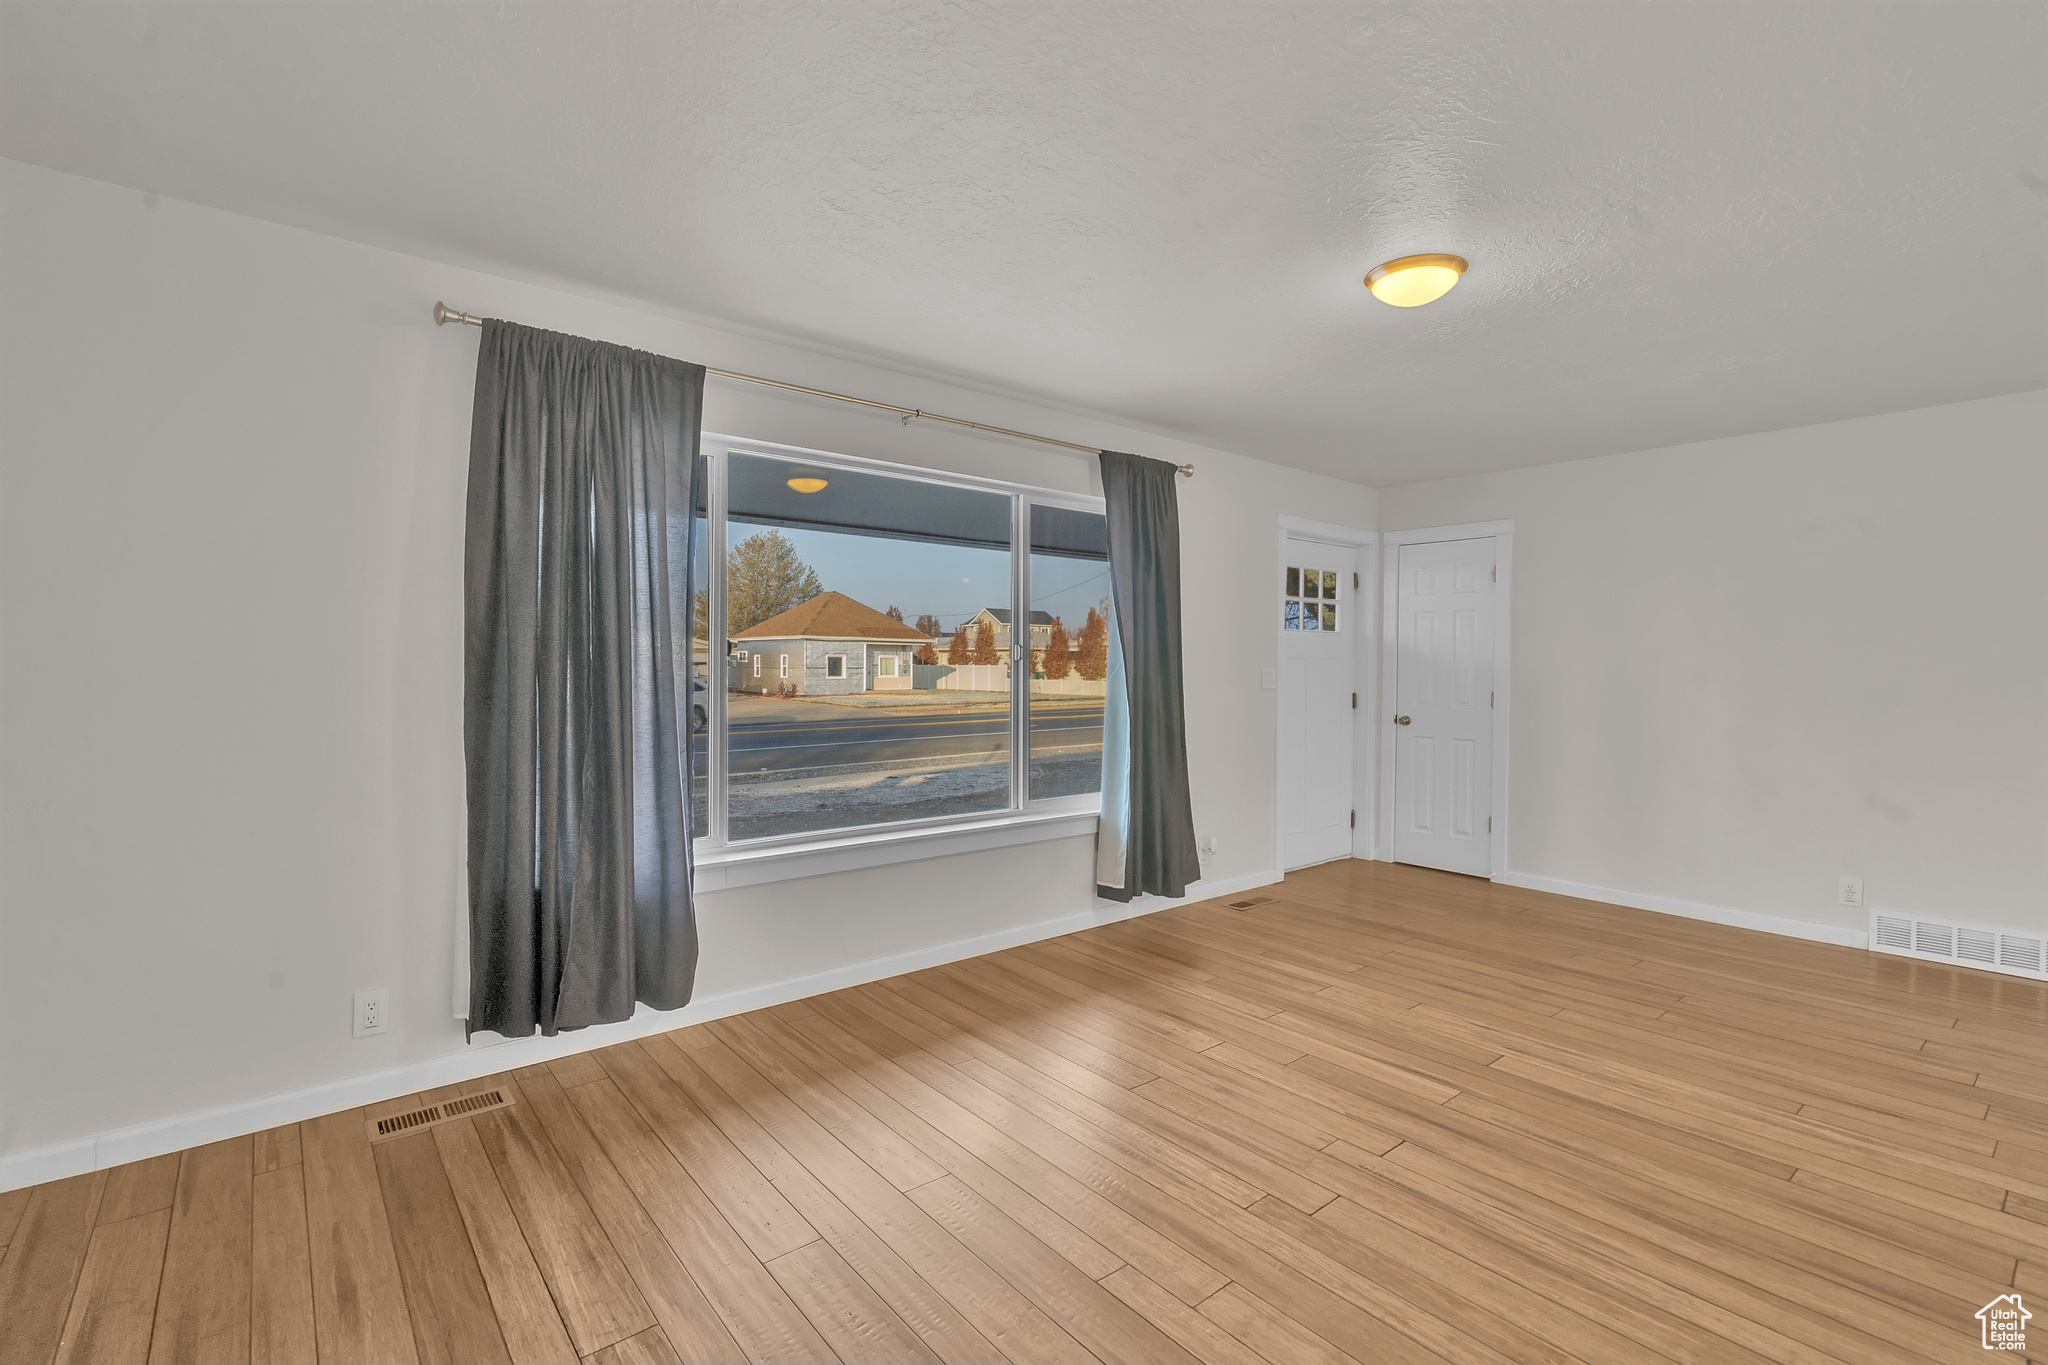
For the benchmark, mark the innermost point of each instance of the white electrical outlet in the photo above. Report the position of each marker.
(1270, 679)
(1208, 845)
(373, 1009)
(1851, 892)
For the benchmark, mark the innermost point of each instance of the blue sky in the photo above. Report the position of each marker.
(953, 582)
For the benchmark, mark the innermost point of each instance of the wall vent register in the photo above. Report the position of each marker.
(1961, 945)
(427, 1116)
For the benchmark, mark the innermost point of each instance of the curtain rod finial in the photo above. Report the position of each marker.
(443, 315)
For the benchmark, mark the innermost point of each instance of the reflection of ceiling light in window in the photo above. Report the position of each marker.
(807, 483)
(1411, 281)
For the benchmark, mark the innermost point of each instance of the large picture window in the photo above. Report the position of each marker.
(943, 645)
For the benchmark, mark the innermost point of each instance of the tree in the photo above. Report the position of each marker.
(928, 624)
(1059, 653)
(956, 652)
(985, 646)
(895, 614)
(926, 654)
(763, 576)
(1092, 662)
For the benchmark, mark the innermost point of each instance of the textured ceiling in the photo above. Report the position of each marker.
(1684, 221)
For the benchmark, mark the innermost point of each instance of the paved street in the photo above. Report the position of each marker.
(772, 735)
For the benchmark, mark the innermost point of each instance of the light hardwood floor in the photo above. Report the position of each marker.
(1389, 1116)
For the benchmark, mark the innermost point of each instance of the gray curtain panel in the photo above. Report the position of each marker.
(1146, 842)
(576, 729)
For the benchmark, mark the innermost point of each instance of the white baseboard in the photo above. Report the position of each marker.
(1713, 914)
(123, 1145)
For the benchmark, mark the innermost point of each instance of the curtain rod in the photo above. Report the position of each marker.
(443, 315)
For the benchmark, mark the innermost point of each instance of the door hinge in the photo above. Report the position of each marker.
(1489, 824)
(1496, 573)
(1354, 701)
(1354, 821)
(1489, 699)
(1354, 579)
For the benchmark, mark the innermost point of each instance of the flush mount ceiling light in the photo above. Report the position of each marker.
(1411, 281)
(807, 483)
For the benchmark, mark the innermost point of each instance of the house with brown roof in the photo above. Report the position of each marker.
(828, 646)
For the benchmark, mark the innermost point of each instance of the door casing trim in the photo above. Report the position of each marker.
(1363, 642)
(1503, 536)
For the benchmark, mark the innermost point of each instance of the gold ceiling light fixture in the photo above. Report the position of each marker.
(807, 483)
(1411, 281)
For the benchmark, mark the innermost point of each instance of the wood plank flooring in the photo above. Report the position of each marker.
(1389, 1116)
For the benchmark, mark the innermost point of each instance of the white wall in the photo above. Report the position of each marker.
(1746, 668)
(230, 668)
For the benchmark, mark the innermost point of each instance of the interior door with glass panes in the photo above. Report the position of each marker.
(1318, 687)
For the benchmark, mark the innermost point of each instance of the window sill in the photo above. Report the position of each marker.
(753, 866)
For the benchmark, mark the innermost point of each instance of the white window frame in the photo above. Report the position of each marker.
(785, 665)
(885, 657)
(839, 659)
(757, 665)
(721, 863)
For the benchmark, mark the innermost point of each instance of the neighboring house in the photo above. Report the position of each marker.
(828, 646)
(997, 619)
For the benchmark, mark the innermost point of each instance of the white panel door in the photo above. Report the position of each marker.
(1443, 706)
(1318, 625)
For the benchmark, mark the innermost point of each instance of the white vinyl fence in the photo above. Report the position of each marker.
(995, 678)
(960, 677)
(1073, 685)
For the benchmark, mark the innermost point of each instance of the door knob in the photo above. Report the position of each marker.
(1400, 720)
